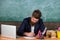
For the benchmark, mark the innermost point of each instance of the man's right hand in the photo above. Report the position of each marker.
(31, 34)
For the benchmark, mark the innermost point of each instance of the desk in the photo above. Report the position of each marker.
(5, 38)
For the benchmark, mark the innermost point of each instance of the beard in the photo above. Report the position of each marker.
(32, 23)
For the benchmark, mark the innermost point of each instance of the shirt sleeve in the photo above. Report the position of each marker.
(42, 27)
(21, 28)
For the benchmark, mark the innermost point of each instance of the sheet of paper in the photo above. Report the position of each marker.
(29, 37)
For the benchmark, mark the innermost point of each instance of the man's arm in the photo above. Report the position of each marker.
(43, 28)
(21, 28)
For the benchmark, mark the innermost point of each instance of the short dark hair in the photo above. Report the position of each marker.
(36, 14)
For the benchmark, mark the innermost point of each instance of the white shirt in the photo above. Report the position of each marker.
(32, 29)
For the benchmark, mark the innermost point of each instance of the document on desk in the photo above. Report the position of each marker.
(29, 37)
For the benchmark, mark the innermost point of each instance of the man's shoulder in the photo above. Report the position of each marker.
(27, 19)
(40, 19)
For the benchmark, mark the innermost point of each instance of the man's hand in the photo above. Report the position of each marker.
(39, 34)
(31, 34)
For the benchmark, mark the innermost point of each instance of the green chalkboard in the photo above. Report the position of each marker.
(17, 10)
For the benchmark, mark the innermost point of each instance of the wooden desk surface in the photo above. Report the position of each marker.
(5, 38)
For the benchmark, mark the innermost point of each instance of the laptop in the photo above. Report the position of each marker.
(8, 31)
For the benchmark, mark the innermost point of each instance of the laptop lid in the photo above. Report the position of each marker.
(8, 31)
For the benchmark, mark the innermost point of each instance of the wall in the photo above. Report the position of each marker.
(17, 10)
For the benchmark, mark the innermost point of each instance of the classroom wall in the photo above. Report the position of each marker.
(17, 10)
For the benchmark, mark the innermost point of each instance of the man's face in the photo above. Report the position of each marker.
(34, 20)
